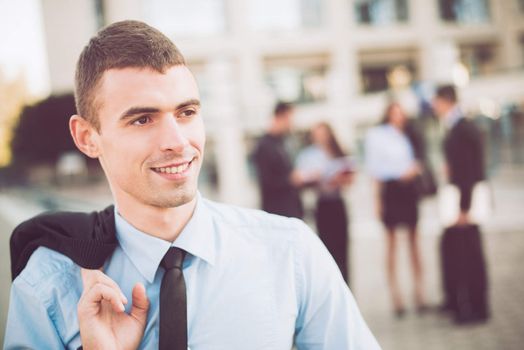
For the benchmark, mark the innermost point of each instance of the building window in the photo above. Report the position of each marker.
(100, 13)
(297, 79)
(381, 70)
(479, 59)
(285, 14)
(386, 77)
(381, 12)
(465, 11)
(181, 17)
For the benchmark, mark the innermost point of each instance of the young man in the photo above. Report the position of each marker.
(277, 181)
(185, 272)
(463, 148)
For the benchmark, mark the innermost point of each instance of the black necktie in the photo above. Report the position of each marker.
(173, 307)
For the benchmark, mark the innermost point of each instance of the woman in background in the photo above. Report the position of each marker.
(326, 166)
(390, 160)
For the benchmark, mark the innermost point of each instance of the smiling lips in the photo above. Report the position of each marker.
(173, 169)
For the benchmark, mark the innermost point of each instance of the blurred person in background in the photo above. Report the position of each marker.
(325, 166)
(390, 160)
(463, 148)
(464, 269)
(277, 182)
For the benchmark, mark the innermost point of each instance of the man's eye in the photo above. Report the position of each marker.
(142, 120)
(188, 113)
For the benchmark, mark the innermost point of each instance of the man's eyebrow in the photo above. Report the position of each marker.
(192, 102)
(133, 111)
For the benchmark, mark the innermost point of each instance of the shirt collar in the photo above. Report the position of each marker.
(453, 117)
(146, 252)
(198, 236)
(392, 129)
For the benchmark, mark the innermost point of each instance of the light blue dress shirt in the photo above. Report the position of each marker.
(388, 153)
(254, 281)
(314, 161)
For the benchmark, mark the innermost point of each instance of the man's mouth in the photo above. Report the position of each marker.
(178, 168)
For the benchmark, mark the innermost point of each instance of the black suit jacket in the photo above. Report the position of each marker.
(86, 238)
(274, 167)
(464, 151)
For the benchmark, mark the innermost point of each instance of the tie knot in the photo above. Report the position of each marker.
(173, 259)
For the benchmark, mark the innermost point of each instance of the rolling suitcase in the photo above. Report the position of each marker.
(464, 274)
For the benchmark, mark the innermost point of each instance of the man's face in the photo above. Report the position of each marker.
(287, 121)
(151, 140)
(440, 106)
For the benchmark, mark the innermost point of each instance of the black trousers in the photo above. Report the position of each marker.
(466, 192)
(332, 227)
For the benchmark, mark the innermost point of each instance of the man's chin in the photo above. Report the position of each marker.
(176, 200)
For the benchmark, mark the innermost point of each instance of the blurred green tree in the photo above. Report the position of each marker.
(42, 133)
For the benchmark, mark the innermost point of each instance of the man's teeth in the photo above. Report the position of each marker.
(173, 169)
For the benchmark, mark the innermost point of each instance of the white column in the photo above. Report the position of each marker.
(119, 10)
(68, 26)
(343, 77)
(225, 126)
(249, 68)
(425, 17)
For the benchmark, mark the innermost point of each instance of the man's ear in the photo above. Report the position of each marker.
(84, 135)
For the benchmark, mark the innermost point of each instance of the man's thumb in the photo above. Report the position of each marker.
(140, 303)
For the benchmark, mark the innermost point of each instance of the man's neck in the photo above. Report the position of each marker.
(163, 223)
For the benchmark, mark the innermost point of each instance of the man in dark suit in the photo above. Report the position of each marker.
(278, 183)
(463, 148)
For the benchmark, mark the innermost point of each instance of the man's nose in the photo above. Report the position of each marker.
(171, 135)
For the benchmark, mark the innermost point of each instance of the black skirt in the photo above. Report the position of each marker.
(399, 203)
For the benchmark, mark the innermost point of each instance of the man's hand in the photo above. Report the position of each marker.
(463, 219)
(300, 179)
(341, 180)
(103, 322)
(411, 173)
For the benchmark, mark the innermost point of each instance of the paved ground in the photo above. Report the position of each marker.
(505, 253)
(503, 241)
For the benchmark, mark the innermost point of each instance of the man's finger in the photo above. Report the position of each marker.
(140, 303)
(91, 277)
(93, 297)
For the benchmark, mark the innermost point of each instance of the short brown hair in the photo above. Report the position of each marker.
(282, 107)
(120, 45)
(447, 93)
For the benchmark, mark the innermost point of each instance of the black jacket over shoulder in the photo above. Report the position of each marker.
(274, 167)
(87, 239)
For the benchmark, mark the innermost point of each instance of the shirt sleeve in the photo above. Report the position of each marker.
(328, 316)
(372, 155)
(29, 325)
